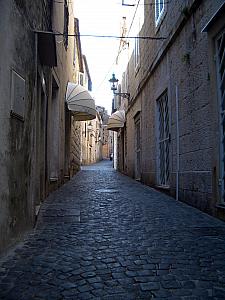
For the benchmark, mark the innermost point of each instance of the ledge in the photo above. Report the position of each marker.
(220, 206)
(162, 187)
(53, 179)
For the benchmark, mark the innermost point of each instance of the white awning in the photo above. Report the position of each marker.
(116, 120)
(80, 102)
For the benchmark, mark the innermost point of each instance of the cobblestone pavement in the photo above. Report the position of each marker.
(105, 236)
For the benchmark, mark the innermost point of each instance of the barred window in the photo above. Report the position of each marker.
(66, 23)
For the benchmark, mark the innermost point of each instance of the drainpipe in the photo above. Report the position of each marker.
(178, 145)
(35, 167)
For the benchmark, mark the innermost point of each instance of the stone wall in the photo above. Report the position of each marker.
(75, 146)
(180, 66)
(33, 148)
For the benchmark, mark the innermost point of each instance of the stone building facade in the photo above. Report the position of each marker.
(92, 141)
(35, 67)
(173, 132)
(91, 130)
(105, 134)
(75, 138)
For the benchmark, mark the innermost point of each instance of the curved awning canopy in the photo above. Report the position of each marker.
(80, 102)
(116, 120)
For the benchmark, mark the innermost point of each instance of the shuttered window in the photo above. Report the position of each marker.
(220, 54)
(163, 141)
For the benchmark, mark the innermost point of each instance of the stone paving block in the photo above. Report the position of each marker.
(97, 285)
(85, 296)
(161, 293)
(149, 266)
(131, 273)
(94, 279)
(88, 274)
(99, 293)
(170, 284)
(188, 284)
(70, 292)
(150, 286)
(162, 272)
(145, 273)
(118, 275)
(111, 282)
(85, 288)
(219, 292)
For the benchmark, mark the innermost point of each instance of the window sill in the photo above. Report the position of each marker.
(163, 187)
(220, 206)
(53, 179)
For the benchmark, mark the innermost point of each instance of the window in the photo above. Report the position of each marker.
(54, 128)
(137, 54)
(66, 23)
(75, 52)
(137, 124)
(163, 135)
(18, 95)
(81, 78)
(159, 9)
(220, 55)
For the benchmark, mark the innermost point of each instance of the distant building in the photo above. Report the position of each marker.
(106, 144)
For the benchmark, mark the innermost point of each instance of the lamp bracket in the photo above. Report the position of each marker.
(123, 95)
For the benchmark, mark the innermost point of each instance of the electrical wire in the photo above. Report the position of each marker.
(133, 17)
(103, 80)
(120, 37)
(145, 4)
(102, 36)
(62, 2)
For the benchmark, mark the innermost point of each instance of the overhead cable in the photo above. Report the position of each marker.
(102, 36)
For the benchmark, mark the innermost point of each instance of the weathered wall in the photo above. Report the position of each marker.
(180, 61)
(17, 136)
(75, 146)
(33, 151)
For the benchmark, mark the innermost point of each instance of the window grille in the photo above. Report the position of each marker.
(163, 140)
(66, 24)
(81, 78)
(17, 95)
(220, 49)
(137, 147)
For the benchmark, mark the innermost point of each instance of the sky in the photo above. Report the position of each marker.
(101, 17)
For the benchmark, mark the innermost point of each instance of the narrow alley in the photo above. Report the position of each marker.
(103, 235)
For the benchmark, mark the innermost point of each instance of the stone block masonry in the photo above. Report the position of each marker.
(105, 236)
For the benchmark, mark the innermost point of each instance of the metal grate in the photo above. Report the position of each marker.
(163, 140)
(138, 148)
(220, 48)
(18, 95)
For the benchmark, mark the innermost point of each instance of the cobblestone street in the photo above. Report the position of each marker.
(105, 236)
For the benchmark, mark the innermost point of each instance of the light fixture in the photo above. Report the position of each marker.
(114, 85)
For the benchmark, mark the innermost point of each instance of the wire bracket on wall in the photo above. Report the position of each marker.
(126, 4)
